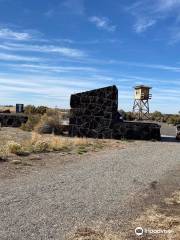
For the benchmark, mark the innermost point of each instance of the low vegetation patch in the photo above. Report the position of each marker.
(4, 153)
(44, 120)
(155, 116)
(155, 218)
(33, 120)
(93, 234)
(40, 143)
(160, 218)
(49, 122)
(13, 147)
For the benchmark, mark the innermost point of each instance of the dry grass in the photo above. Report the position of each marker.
(92, 234)
(4, 153)
(57, 143)
(46, 143)
(12, 109)
(17, 142)
(41, 143)
(47, 120)
(174, 200)
(80, 141)
(159, 218)
(154, 218)
(13, 147)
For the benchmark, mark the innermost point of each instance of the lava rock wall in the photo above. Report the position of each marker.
(12, 120)
(136, 130)
(93, 113)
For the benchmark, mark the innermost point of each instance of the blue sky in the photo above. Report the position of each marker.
(50, 49)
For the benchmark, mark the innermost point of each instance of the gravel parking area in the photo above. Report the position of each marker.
(92, 189)
(167, 129)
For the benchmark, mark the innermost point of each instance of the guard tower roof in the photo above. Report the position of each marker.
(142, 86)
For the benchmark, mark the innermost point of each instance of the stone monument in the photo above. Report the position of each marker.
(95, 114)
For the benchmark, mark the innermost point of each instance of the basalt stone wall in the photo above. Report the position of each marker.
(93, 113)
(136, 130)
(12, 120)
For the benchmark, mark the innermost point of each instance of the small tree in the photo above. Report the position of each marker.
(41, 109)
(157, 116)
(30, 109)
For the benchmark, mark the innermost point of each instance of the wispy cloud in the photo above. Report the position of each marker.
(89, 41)
(75, 6)
(45, 86)
(146, 65)
(134, 64)
(152, 81)
(52, 68)
(167, 5)
(102, 23)
(143, 24)
(148, 13)
(6, 33)
(68, 52)
(17, 82)
(10, 57)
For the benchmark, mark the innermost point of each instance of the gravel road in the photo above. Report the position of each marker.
(49, 203)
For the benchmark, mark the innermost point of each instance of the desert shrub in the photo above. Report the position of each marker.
(4, 153)
(40, 146)
(156, 116)
(173, 119)
(53, 112)
(16, 148)
(51, 143)
(38, 143)
(57, 112)
(165, 118)
(13, 147)
(31, 109)
(129, 116)
(41, 110)
(33, 120)
(44, 120)
(49, 122)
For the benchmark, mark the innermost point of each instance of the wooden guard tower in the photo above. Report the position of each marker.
(141, 102)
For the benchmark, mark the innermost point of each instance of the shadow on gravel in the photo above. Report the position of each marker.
(169, 139)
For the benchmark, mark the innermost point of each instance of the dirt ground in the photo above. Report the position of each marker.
(168, 129)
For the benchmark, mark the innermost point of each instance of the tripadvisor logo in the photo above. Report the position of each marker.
(139, 231)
